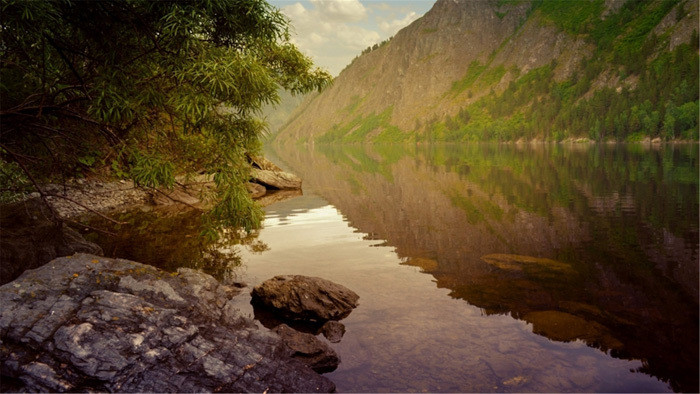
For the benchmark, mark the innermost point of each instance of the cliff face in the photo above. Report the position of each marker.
(461, 52)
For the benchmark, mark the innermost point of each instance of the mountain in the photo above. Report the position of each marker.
(276, 115)
(515, 69)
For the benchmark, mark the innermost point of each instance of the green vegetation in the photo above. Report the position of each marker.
(375, 125)
(146, 90)
(573, 17)
(473, 73)
(664, 103)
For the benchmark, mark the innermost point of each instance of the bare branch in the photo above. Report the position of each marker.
(91, 228)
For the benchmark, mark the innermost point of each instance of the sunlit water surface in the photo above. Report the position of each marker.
(485, 268)
(408, 334)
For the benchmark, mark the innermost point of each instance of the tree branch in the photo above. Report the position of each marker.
(68, 63)
(91, 228)
(54, 215)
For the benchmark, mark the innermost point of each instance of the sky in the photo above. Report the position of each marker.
(333, 32)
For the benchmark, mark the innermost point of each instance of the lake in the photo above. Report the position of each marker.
(480, 267)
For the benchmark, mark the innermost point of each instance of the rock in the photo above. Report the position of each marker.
(256, 190)
(309, 349)
(301, 297)
(333, 331)
(275, 179)
(263, 164)
(88, 323)
(29, 238)
(108, 196)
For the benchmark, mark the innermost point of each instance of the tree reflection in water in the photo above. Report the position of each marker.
(590, 242)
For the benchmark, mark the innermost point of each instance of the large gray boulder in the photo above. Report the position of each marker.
(88, 323)
(299, 297)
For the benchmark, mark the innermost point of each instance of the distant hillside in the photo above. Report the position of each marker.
(277, 115)
(515, 69)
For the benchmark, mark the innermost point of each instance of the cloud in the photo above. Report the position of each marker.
(333, 32)
(326, 31)
(381, 6)
(391, 27)
(340, 10)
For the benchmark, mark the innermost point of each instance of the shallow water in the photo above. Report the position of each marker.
(484, 267)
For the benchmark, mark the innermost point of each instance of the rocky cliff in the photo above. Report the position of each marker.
(532, 69)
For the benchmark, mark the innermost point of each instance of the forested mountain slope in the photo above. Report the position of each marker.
(514, 69)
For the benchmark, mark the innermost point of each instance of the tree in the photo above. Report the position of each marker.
(151, 88)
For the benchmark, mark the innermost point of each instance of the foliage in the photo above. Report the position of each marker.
(574, 17)
(664, 104)
(153, 89)
(474, 71)
(15, 182)
(360, 127)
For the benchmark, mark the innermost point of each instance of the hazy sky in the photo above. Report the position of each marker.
(333, 32)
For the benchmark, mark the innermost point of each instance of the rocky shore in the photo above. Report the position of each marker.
(81, 196)
(89, 323)
(82, 322)
(31, 236)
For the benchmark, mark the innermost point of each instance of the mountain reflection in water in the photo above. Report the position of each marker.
(592, 243)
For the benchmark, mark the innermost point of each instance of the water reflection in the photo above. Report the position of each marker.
(587, 243)
(169, 238)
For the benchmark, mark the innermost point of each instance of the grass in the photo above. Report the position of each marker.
(359, 128)
(474, 71)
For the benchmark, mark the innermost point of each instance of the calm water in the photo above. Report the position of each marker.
(481, 267)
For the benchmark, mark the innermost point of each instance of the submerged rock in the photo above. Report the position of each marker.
(308, 349)
(87, 323)
(333, 331)
(299, 297)
(515, 262)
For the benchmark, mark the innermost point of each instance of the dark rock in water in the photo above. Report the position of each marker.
(301, 297)
(88, 323)
(276, 179)
(29, 238)
(333, 331)
(309, 349)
